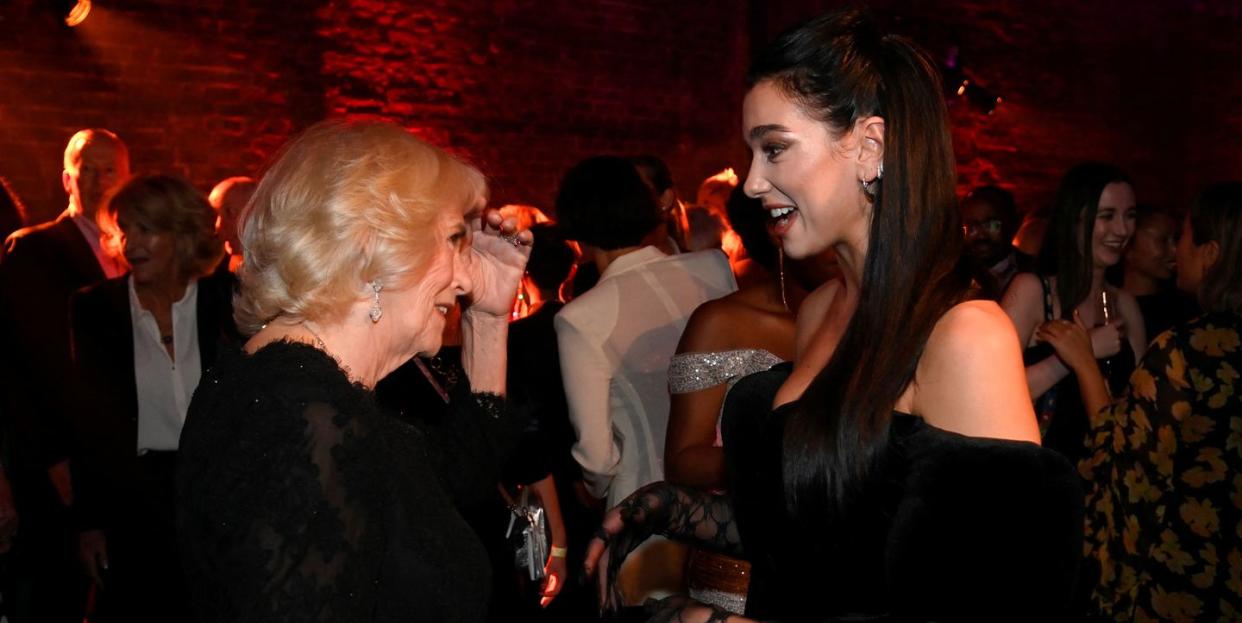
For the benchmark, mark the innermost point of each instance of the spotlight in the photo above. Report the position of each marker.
(76, 14)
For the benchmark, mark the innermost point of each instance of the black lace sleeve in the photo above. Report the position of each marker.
(471, 443)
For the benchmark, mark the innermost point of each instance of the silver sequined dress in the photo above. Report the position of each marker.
(692, 372)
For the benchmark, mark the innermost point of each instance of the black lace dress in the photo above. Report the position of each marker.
(948, 528)
(298, 500)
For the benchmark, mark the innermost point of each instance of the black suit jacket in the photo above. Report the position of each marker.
(105, 422)
(43, 266)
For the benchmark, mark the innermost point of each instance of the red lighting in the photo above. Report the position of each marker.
(78, 13)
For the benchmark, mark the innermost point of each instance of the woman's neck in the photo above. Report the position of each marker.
(851, 256)
(160, 296)
(357, 348)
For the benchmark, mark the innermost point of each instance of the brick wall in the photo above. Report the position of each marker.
(210, 88)
(1155, 87)
(522, 88)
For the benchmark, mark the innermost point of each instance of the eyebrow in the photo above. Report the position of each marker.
(758, 131)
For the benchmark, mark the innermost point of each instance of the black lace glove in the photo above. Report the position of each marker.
(680, 513)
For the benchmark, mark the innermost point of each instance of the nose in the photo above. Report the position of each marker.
(463, 276)
(756, 185)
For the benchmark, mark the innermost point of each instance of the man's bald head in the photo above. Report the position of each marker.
(229, 198)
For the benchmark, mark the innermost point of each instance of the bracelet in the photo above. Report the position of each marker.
(559, 552)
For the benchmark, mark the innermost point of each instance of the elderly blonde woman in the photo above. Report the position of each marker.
(140, 343)
(298, 499)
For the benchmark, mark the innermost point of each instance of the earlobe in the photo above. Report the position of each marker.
(1211, 253)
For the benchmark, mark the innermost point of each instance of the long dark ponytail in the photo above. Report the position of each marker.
(842, 69)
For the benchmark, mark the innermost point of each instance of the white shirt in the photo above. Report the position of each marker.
(615, 344)
(165, 386)
(111, 267)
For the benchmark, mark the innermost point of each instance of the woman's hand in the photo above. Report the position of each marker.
(625, 527)
(1072, 341)
(500, 251)
(681, 513)
(555, 572)
(1105, 339)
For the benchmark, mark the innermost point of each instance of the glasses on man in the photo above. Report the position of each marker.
(991, 228)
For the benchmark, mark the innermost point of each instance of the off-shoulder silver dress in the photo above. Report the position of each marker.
(716, 579)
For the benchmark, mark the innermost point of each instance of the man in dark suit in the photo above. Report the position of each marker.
(44, 265)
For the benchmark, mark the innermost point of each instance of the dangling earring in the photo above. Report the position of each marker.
(870, 187)
(780, 266)
(376, 311)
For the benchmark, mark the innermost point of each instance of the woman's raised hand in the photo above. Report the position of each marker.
(500, 251)
(1073, 342)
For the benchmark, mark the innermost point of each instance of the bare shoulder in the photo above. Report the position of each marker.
(971, 379)
(713, 323)
(1024, 289)
(969, 325)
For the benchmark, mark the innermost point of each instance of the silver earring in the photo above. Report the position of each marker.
(376, 311)
(869, 187)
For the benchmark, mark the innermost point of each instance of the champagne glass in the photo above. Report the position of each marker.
(1108, 311)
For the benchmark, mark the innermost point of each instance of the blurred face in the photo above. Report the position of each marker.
(1114, 224)
(151, 254)
(984, 231)
(1192, 260)
(1153, 249)
(100, 166)
(420, 310)
(231, 205)
(806, 178)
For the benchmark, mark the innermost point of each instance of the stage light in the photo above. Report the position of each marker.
(77, 13)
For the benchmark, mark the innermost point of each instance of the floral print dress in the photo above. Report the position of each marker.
(1164, 511)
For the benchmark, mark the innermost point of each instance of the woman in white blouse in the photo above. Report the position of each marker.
(141, 342)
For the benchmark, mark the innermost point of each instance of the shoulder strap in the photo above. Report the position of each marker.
(1047, 297)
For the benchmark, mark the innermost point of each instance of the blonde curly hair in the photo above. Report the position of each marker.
(344, 204)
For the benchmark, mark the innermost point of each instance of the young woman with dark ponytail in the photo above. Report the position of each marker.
(895, 471)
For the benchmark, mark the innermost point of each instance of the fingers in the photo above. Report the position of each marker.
(1078, 319)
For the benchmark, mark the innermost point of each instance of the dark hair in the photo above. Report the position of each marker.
(748, 218)
(841, 69)
(1002, 201)
(1216, 216)
(654, 171)
(605, 203)
(1068, 254)
(551, 257)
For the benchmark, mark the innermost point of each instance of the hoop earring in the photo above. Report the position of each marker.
(780, 266)
(376, 310)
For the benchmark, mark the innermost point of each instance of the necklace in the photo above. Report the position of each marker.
(318, 340)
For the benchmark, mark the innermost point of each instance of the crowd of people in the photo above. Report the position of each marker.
(350, 390)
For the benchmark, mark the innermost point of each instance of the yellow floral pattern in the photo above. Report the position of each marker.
(1164, 512)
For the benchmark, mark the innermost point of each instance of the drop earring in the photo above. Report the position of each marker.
(376, 310)
(780, 263)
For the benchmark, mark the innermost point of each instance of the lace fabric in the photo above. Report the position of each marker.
(299, 500)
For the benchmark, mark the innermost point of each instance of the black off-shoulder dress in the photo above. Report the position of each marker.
(299, 500)
(947, 528)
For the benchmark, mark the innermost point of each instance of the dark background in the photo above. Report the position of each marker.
(211, 88)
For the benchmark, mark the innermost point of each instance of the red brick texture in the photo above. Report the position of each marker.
(211, 88)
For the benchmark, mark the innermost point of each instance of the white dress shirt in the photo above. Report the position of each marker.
(165, 386)
(615, 344)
